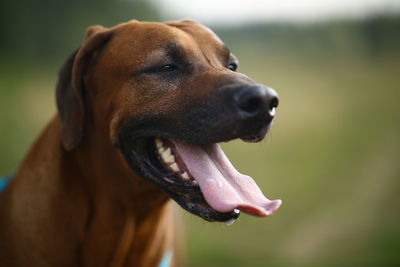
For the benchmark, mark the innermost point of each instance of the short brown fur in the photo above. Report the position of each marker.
(74, 200)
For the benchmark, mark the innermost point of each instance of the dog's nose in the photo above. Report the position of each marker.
(256, 101)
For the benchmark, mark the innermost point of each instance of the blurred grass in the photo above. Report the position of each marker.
(27, 103)
(332, 157)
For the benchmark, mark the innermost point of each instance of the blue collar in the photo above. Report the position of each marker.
(4, 182)
(166, 260)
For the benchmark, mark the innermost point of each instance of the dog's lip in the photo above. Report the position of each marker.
(260, 135)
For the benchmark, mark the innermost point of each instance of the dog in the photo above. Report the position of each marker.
(141, 108)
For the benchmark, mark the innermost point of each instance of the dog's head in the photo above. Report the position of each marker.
(165, 94)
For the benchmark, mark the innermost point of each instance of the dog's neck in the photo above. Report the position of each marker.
(117, 214)
(123, 206)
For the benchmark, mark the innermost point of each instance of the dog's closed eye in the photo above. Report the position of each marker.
(167, 68)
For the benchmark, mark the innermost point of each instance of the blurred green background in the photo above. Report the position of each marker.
(333, 154)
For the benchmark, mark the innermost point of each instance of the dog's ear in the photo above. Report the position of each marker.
(71, 91)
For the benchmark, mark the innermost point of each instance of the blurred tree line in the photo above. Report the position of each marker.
(371, 36)
(46, 31)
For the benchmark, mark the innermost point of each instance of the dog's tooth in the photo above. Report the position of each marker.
(174, 167)
(159, 143)
(167, 152)
(185, 176)
(170, 159)
(161, 150)
(230, 222)
(195, 182)
(167, 156)
(236, 211)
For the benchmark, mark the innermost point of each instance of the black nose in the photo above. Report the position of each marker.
(256, 101)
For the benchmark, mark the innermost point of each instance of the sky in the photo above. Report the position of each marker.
(242, 11)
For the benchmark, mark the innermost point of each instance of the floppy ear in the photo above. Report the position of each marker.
(71, 91)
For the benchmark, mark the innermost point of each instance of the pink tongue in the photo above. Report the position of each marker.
(223, 187)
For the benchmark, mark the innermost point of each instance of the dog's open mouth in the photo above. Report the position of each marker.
(200, 178)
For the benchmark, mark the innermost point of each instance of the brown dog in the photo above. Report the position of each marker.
(141, 108)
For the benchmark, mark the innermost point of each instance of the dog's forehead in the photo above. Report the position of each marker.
(197, 31)
(139, 39)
